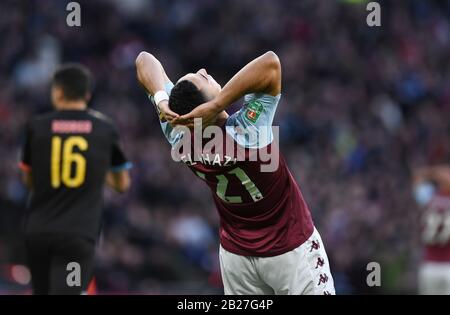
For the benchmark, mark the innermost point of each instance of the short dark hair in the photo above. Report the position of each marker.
(74, 80)
(184, 97)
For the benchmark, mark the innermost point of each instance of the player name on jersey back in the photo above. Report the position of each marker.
(72, 126)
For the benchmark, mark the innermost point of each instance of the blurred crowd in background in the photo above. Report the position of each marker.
(361, 107)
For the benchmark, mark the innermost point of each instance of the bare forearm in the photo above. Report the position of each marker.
(27, 179)
(120, 182)
(150, 72)
(260, 75)
(437, 173)
(440, 173)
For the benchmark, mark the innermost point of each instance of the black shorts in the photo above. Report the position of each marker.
(60, 264)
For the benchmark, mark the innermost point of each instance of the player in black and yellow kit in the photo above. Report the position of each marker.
(67, 157)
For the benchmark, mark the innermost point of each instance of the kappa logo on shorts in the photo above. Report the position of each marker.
(315, 245)
(320, 262)
(254, 109)
(323, 278)
(326, 293)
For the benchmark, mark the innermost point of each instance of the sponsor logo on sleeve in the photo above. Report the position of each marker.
(253, 111)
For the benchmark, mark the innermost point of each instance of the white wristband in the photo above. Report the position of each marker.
(160, 96)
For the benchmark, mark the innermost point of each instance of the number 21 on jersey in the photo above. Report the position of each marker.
(222, 184)
(62, 159)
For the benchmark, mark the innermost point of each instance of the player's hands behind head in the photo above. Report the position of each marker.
(207, 112)
(166, 112)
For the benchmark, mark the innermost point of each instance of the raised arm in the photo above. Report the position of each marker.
(152, 77)
(150, 73)
(262, 75)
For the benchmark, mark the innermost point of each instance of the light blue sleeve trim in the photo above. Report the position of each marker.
(171, 135)
(256, 133)
(123, 167)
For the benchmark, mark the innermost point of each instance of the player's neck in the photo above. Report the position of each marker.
(72, 105)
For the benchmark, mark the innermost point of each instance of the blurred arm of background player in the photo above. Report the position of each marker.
(262, 75)
(439, 174)
(152, 77)
(27, 178)
(119, 181)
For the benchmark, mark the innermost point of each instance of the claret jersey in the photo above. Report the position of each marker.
(262, 211)
(436, 229)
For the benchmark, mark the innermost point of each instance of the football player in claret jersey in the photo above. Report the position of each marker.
(67, 156)
(432, 191)
(268, 241)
